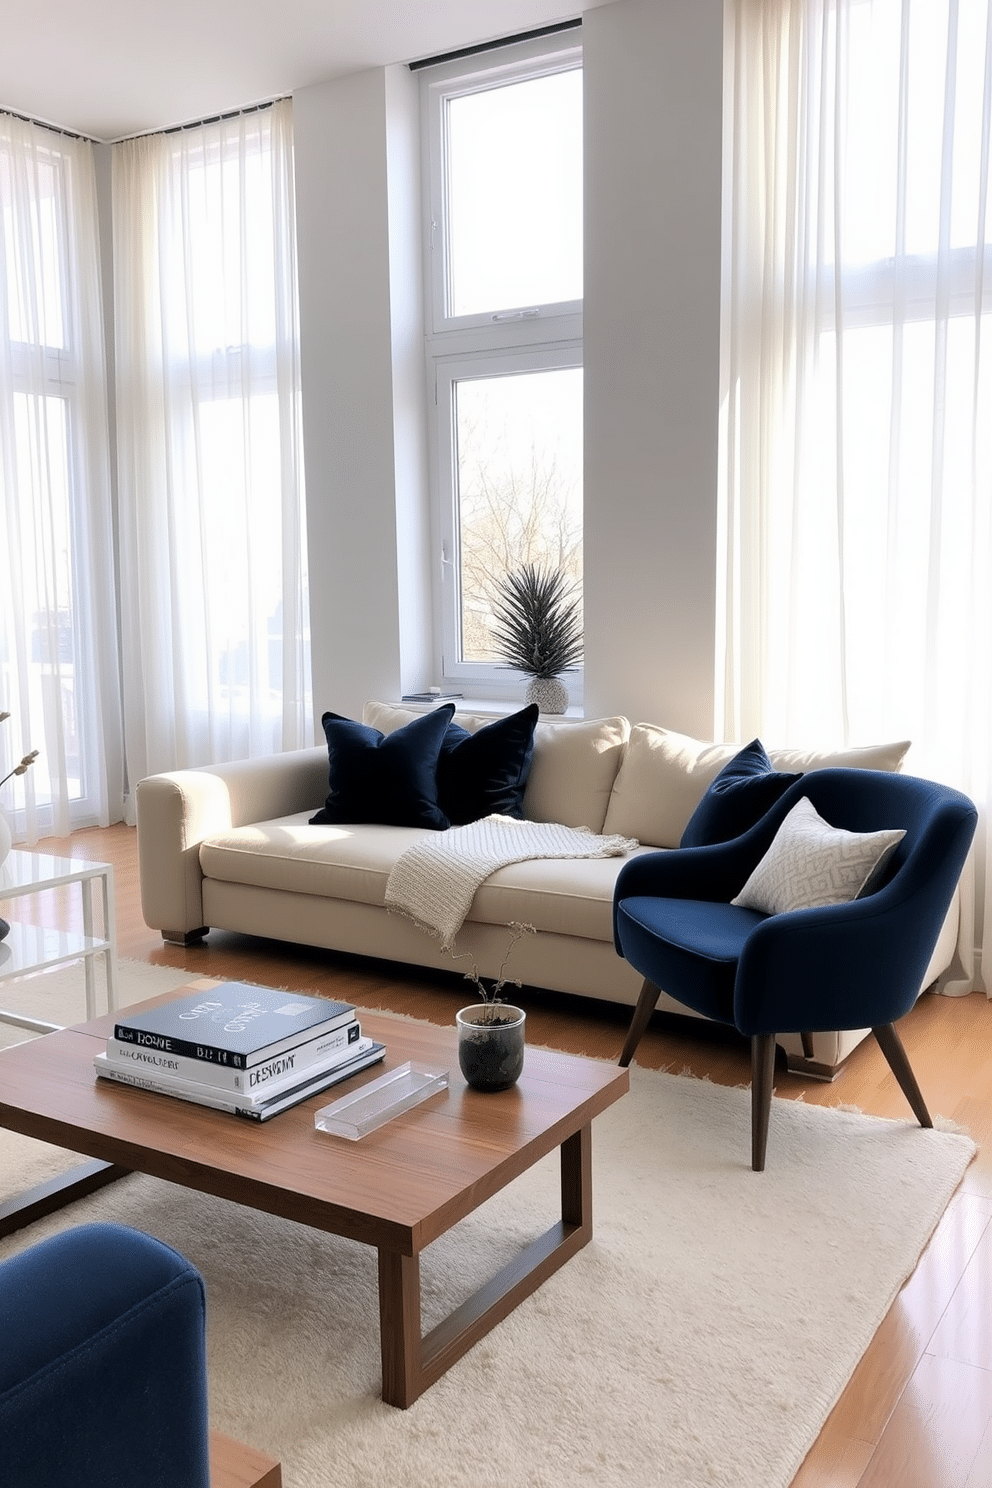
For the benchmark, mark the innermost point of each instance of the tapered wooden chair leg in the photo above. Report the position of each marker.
(642, 1016)
(891, 1046)
(762, 1081)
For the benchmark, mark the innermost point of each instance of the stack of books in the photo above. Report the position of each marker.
(240, 1048)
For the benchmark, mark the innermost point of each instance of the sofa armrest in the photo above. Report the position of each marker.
(177, 810)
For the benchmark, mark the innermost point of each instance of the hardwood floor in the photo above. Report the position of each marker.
(918, 1411)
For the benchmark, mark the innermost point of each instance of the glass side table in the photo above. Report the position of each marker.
(29, 948)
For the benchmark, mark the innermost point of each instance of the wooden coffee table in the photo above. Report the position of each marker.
(397, 1189)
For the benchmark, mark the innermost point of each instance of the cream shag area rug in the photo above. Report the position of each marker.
(699, 1341)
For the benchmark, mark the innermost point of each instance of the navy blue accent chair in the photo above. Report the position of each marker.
(844, 966)
(103, 1367)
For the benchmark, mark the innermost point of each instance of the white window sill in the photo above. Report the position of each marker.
(498, 707)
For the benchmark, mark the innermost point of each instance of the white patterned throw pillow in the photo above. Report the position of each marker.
(810, 863)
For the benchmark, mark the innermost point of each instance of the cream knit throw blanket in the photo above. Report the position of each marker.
(434, 882)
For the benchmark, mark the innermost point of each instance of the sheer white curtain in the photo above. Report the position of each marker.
(857, 414)
(58, 618)
(214, 575)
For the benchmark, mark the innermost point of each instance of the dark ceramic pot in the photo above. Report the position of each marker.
(491, 1045)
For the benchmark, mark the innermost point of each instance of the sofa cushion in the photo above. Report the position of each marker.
(384, 778)
(665, 774)
(332, 861)
(740, 795)
(570, 896)
(573, 771)
(810, 863)
(563, 896)
(485, 772)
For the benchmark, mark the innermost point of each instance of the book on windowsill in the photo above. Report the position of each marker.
(234, 1023)
(323, 1051)
(252, 1108)
(429, 697)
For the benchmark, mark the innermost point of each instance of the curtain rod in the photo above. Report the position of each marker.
(249, 108)
(492, 46)
(44, 124)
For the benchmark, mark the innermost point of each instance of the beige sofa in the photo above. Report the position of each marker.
(230, 847)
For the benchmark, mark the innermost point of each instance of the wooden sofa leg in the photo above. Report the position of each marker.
(762, 1081)
(642, 1016)
(891, 1046)
(185, 937)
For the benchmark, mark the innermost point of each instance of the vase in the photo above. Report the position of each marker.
(491, 1045)
(548, 693)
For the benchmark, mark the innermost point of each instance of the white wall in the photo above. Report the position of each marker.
(362, 366)
(653, 71)
(653, 91)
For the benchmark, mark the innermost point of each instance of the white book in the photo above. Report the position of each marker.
(340, 1044)
(275, 1097)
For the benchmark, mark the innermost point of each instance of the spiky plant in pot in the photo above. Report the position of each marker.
(537, 629)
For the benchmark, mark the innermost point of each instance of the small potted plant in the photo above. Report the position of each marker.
(537, 629)
(491, 1032)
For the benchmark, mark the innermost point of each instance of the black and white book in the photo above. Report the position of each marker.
(233, 1023)
(260, 1109)
(324, 1050)
(437, 696)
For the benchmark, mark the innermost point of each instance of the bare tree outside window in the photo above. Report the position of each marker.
(519, 488)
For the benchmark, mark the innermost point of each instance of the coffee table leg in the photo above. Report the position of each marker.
(411, 1364)
(399, 1328)
(46, 1198)
(576, 1181)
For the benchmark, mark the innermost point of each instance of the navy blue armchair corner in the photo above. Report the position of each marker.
(854, 965)
(103, 1366)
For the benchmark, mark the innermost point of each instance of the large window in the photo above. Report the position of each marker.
(58, 659)
(504, 343)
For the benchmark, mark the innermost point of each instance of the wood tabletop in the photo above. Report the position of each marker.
(399, 1187)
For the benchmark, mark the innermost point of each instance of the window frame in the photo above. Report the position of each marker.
(514, 339)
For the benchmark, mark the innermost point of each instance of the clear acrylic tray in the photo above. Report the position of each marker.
(356, 1115)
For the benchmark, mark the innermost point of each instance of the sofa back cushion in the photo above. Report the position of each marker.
(664, 776)
(574, 770)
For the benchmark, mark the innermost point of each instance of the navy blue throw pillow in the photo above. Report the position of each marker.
(390, 779)
(486, 772)
(744, 790)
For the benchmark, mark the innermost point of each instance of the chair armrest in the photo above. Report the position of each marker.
(852, 965)
(177, 810)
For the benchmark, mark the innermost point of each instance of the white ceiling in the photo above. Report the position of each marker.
(110, 68)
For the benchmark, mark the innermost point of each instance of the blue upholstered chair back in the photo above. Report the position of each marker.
(103, 1365)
